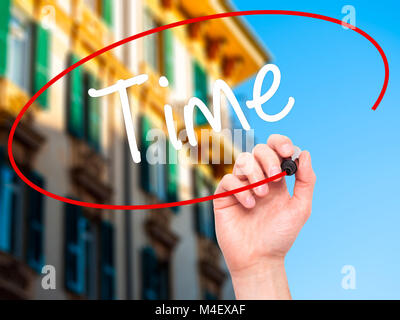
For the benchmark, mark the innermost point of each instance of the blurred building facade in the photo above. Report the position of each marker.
(76, 146)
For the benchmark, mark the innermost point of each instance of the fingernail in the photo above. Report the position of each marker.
(306, 159)
(287, 149)
(250, 201)
(274, 170)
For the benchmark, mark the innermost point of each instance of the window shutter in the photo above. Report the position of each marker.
(94, 116)
(169, 56)
(145, 127)
(200, 91)
(150, 42)
(204, 211)
(81, 252)
(76, 102)
(35, 252)
(150, 276)
(107, 261)
(160, 175)
(173, 175)
(4, 22)
(76, 225)
(41, 63)
(197, 193)
(202, 218)
(107, 12)
(210, 296)
(6, 194)
(91, 243)
(164, 280)
(206, 216)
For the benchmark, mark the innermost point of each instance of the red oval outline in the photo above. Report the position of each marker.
(155, 30)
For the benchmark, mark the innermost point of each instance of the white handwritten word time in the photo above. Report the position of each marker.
(214, 119)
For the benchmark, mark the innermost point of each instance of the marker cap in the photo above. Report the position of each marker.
(289, 165)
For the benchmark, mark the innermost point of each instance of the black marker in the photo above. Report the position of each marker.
(289, 165)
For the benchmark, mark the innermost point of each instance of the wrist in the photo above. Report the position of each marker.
(258, 269)
(265, 279)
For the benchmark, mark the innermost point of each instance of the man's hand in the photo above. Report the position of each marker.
(256, 228)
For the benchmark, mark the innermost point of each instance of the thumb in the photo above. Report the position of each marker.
(304, 185)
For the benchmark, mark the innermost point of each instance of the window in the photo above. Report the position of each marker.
(24, 57)
(5, 16)
(155, 276)
(107, 262)
(83, 112)
(204, 212)
(12, 212)
(81, 256)
(19, 50)
(153, 176)
(160, 179)
(21, 207)
(200, 91)
(151, 43)
(169, 55)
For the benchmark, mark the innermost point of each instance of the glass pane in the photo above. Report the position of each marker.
(18, 52)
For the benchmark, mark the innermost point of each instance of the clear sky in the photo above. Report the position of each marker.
(335, 75)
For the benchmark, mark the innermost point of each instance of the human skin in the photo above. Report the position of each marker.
(256, 228)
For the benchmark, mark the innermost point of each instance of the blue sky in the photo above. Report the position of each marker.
(335, 75)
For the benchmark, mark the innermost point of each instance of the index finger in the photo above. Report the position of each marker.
(282, 145)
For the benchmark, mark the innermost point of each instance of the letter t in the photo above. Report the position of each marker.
(121, 87)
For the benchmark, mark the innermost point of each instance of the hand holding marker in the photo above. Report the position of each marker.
(263, 223)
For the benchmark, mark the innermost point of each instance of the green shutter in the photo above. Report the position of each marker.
(107, 12)
(107, 261)
(6, 195)
(200, 91)
(94, 116)
(160, 176)
(197, 185)
(169, 56)
(76, 102)
(150, 275)
(41, 63)
(76, 224)
(173, 175)
(35, 251)
(209, 295)
(204, 219)
(145, 127)
(4, 22)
